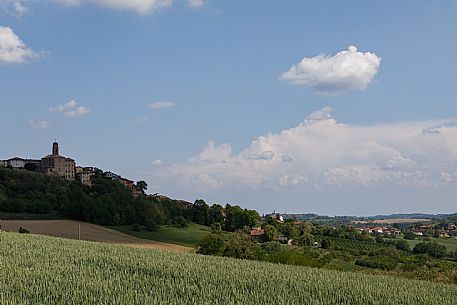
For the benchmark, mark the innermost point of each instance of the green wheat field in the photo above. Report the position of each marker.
(46, 270)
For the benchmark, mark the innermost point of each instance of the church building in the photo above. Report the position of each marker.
(55, 164)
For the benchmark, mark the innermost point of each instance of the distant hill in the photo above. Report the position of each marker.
(348, 219)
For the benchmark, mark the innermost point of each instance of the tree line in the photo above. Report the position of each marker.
(108, 202)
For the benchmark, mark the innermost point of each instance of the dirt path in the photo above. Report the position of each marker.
(90, 232)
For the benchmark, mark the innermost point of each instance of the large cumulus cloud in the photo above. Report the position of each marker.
(321, 151)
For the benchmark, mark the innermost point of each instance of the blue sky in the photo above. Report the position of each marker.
(257, 103)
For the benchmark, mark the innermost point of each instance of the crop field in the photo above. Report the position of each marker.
(90, 232)
(356, 244)
(47, 270)
(189, 236)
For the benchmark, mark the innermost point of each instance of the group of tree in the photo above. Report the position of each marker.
(230, 217)
(108, 202)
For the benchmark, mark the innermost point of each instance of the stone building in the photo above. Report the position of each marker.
(55, 164)
(21, 163)
(85, 174)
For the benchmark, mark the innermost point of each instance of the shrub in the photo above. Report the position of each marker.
(213, 244)
(272, 247)
(431, 248)
(23, 230)
(402, 245)
(180, 222)
(409, 235)
(152, 226)
(326, 243)
(379, 262)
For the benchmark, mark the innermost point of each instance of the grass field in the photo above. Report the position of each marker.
(450, 243)
(189, 236)
(47, 270)
(90, 232)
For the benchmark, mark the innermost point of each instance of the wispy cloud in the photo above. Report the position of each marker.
(14, 8)
(13, 50)
(331, 75)
(157, 162)
(139, 6)
(70, 109)
(20, 9)
(195, 4)
(38, 124)
(161, 105)
(142, 120)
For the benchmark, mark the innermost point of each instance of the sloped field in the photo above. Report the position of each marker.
(47, 270)
(87, 231)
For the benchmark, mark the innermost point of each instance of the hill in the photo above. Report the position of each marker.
(27, 195)
(47, 270)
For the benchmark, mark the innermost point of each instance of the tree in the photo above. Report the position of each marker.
(402, 245)
(431, 248)
(216, 214)
(240, 245)
(409, 235)
(307, 240)
(213, 244)
(31, 167)
(271, 233)
(237, 218)
(200, 212)
(326, 243)
(289, 230)
(180, 222)
(142, 185)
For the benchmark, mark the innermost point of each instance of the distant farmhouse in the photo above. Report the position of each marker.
(55, 164)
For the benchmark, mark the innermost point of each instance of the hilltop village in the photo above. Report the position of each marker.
(55, 164)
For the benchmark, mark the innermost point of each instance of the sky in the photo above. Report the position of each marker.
(328, 107)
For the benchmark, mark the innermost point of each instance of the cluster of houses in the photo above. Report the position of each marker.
(56, 165)
(379, 230)
(450, 230)
(257, 233)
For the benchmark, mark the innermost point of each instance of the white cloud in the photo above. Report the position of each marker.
(157, 162)
(196, 3)
(139, 6)
(38, 124)
(324, 152)
(14, 8)
(70, 109)
(161, 105)
(13, 50)
(20, 9)
(331, 75)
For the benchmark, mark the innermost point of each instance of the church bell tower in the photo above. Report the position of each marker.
(55, 149)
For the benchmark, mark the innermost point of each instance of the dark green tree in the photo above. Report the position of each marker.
(326, 243)
(271, 233)
(142, 185)
(213, 244)
(200, 212)
(216, 214)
